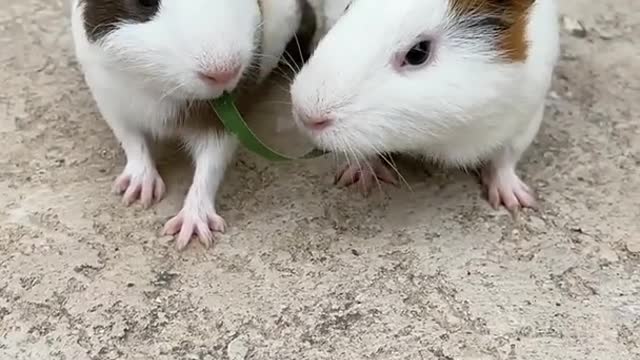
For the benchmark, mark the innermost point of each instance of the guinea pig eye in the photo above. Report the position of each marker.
(418, 54)
(149, 3)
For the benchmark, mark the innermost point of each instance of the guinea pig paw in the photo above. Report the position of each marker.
(365, 176)
(146, 186)
(506, 188)
(189, 223)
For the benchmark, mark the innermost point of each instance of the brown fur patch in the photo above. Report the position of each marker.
(508, 17)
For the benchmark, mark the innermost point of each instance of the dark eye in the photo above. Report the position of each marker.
(418, 54)
(347, 8)
(149, 3)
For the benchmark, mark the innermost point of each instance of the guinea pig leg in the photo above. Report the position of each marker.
(503, 185)
(365, 175)
(212, 151)
(140, 179)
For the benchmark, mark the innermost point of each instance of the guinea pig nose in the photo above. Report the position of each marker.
(317, 123)
(221, 76)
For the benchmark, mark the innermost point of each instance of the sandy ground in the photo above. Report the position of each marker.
(308, 271)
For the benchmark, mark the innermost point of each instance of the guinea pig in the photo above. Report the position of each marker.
(151, 65)
(460, 82)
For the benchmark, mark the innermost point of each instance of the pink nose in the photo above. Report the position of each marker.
(221, 77)
(316, 123)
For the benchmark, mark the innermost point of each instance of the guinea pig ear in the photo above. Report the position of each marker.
(505, 18)
(507, 11)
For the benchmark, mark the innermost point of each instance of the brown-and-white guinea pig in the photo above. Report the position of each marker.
(151, 64)
(462, 82)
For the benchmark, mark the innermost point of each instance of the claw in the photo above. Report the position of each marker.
(366, 176)
(189, 223)
(141, 185)
(505, 188)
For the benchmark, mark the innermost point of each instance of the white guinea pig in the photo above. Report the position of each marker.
(151, 64)
(462, 82)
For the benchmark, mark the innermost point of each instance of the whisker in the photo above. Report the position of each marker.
(289, 61)
(295, 37)
(275, 102)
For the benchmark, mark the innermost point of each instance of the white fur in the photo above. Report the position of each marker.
(327, 14)
(142, 74)
(465, 107)
(281, 18)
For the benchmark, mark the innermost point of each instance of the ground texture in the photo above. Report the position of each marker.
(308, 271)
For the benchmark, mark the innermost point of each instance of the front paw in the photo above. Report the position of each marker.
(364, 176)
(190, 222)
(140, 183)
(504, 187)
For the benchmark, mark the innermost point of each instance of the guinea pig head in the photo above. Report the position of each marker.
(193, 49)
(392, 75)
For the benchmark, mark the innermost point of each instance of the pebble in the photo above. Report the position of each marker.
(608, 254)
(605, 35)
(633, 245)
(538, 225)
(574, 27)
(238, 349)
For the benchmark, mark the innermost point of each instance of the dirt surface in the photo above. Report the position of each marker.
(308, 271)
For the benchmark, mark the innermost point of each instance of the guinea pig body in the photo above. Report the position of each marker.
(462, 82)
(151, 65)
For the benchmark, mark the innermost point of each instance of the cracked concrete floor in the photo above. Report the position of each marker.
(307, 271)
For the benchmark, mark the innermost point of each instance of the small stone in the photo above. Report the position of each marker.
(574, 27)
(605, 35)
(238, 349)
(120, 330)
(166, 240)
(537, 224)
(633, 245)
(609, 255)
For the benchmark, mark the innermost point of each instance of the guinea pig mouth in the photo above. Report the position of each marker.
(327, 141)
(201, 93)
(337, 139)
(205, 88)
